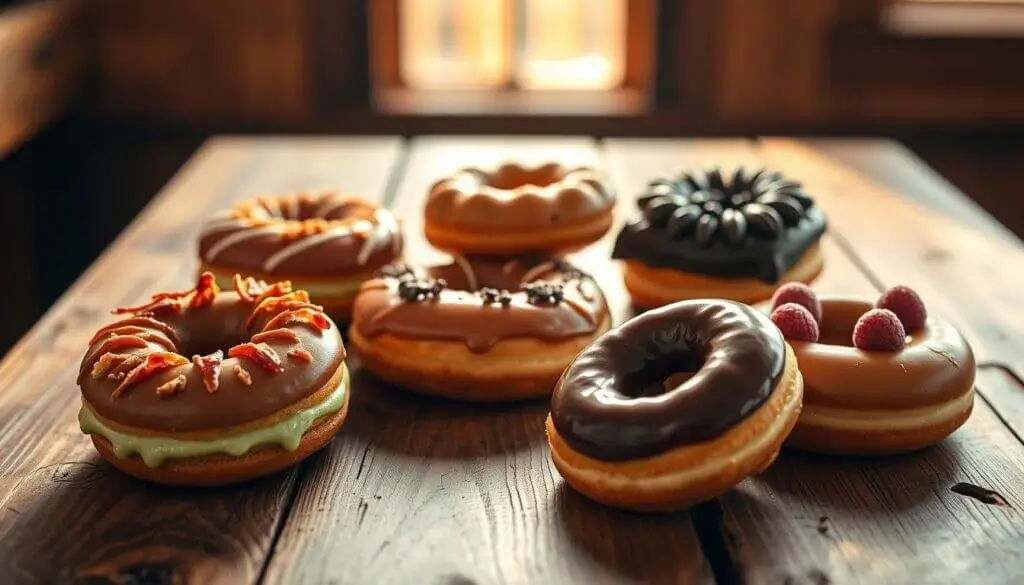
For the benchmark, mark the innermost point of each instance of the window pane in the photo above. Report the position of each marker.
(572, 44)
(454, 44)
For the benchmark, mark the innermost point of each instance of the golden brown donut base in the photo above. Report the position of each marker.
(214, 470)
(820, 437)
(689, 474)
(561, 239)
(514, 369)
(655, 287)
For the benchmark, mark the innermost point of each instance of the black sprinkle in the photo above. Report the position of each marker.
(543, 293)
(420, 289)
(493, 295)
(823, 525)
(983, 495)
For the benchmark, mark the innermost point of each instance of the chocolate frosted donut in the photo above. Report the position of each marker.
(705, 235)
(675, 406)
(611, 403)
(477, 329)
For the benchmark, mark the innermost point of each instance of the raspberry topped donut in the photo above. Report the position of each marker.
(324, 243)
(479, 330)
(711, 235)
(879, 377)
(675, 406)
(515, 209)
(203, 387)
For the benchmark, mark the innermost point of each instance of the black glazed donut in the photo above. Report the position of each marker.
(611, 402)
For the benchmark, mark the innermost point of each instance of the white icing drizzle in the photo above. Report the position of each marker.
(217, 225)
(536, 271)
(302, 245)
(467, 269)
(241, 236)
(384, 228)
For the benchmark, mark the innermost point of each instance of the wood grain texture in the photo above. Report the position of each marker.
(424, 491)
(962, 273)
(65, 515)
(820, 520)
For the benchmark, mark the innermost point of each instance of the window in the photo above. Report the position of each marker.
(512, 46)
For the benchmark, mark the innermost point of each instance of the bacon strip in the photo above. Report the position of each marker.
(276, 304)
(248, 288)
(205, 292)
(172, 387)
(261, 353)
(243, 375)
(140, 321)
(154, 307)
(128, 364)
(285, 334)
(153, 363)
(121, 342)
(301, 353)
(209, 367)
(107, 362)
(304, 316)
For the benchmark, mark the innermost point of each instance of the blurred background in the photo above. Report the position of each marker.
(102, 100)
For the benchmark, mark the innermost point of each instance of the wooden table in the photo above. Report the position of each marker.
(424, 492)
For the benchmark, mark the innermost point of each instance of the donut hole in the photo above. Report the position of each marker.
(511, 177)
(301, 208)
(836, 332)
(664, 374)
(205, 336)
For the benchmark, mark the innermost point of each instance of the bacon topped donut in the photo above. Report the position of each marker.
(477, 329)
(674, 406)
(202, 387)
(325, 243)
(516, 210)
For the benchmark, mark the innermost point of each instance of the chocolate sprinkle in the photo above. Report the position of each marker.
(983, 495)
(420, 289)
(543, 293)
(493, 295)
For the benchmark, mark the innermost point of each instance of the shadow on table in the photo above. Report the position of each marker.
(648, 548)
(401, 422)
(884, 484)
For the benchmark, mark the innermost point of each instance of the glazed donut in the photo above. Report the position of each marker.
(705, 236)
(275, 394)
(518, 210)
(478, 330)
(883, 401)
(325, 243)
(675, 406)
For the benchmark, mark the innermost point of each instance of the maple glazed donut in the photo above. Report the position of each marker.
(875, 387)
(480, 330)
(707, 236)
(515, 209)
(275, 394)
(675, 406)
(326, 244)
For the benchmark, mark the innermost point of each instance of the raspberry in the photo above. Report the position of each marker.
(799, 293)
(879, 330)
(906, 304)
(795, 322)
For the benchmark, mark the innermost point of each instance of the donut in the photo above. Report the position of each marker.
(326, 244)
(884, 389)
(478, 329)
(518, 210)
(707, 236)
(264, 387)
(675, 406)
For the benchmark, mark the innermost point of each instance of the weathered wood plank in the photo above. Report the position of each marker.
(422, 491)
(967, 276)
(65, 515)
(815, 519)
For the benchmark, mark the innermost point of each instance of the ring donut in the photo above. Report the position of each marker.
(711, 235)
(479, 330)
(675, 406)
(877, 402)
(265, 386)
(517, 210)
(325, 243)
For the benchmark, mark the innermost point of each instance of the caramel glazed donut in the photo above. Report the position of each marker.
(704, 237)
(483, 330)
(516, 209)
(326, 244)
(630, 428)
(860, 402)
(279, 395)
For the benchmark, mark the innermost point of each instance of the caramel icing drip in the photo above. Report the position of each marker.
(558, 303)
(518, 197)
(135, 372)
(674, 376)
(311, 234)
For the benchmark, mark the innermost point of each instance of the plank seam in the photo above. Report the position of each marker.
(291, 494)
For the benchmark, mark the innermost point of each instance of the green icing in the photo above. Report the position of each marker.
(340, 289)
(154, 450)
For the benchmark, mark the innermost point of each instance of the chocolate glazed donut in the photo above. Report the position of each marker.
(605, 407)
